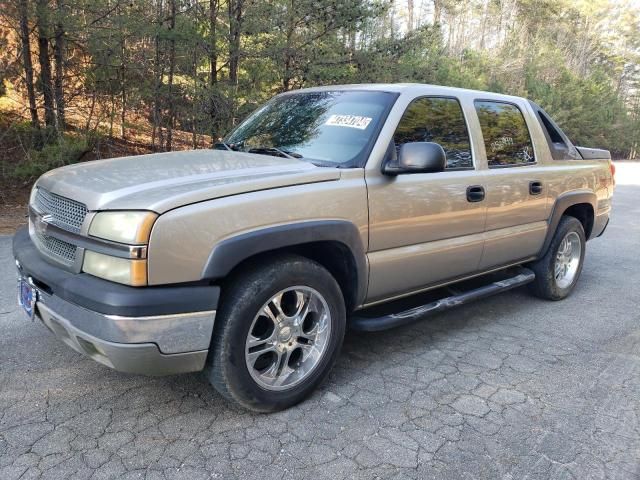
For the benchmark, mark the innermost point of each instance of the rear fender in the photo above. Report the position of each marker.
(562, 203)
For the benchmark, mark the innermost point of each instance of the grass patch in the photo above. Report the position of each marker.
(43, 149)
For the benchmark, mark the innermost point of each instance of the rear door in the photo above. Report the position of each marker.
(423, 227)
(516, 191)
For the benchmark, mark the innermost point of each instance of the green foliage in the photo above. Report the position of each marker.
(44, 149)
(588, 108)
(152, 59)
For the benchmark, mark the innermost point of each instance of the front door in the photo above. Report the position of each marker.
(425, 228)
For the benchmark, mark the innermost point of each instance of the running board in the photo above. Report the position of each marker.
(376, 324)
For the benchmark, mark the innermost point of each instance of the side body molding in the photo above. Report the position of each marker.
(562, 203)
(230, 252)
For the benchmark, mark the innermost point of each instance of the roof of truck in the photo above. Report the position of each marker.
(406, 87)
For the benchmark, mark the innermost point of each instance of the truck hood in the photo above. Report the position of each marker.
(163, 181)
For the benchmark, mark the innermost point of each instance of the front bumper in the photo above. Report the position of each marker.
(150, 330)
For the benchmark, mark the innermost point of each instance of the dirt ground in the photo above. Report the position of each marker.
(14, 197)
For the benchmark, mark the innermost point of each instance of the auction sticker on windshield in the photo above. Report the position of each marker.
(352, 121)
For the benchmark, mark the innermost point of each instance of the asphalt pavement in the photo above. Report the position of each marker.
(510, 387)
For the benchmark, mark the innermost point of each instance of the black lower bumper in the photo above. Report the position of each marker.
(107, 297)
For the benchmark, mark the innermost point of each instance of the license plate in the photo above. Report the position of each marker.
(27, 296)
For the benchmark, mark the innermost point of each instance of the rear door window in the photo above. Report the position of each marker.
(506, 136)
(439, 120)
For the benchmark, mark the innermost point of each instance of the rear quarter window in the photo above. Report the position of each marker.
(506, 137)
(560, 146)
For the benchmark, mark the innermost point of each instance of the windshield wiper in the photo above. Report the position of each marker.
(265, 150)
(275, 151)
(225, 146)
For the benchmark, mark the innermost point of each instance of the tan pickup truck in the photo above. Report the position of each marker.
(249, 261)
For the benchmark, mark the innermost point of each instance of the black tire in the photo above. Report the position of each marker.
(545, 285)
(242, 299)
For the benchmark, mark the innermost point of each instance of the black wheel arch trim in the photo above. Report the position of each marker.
(562, 203)
(230, 252)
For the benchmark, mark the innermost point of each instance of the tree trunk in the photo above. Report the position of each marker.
(123, 87)
(410, 8)
(158, 72)
(235, 25)
(437, 11)
(485, 18)
(26, 60)
(91, 110)
(42, 20)
(352, 44)
(213, 48)
(392, 24)
(112, 116)
(194, 104)
(235, 21)
(288, 50)
(58, 55)
(214, 6)
(172, 67)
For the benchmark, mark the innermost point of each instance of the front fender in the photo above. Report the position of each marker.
(230, 252)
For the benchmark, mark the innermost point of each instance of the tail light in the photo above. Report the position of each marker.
(612, 167)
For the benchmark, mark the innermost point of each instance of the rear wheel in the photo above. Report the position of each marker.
(558, 271)
(278, 332)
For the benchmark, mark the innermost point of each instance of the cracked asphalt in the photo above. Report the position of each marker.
(510, 387)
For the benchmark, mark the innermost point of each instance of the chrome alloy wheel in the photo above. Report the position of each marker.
(288, 338)
(567, 260)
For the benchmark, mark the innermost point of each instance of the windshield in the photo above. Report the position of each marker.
(326, 128)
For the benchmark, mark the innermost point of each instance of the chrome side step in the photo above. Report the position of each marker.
(384, 322)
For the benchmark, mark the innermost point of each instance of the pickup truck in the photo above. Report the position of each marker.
(248, 261)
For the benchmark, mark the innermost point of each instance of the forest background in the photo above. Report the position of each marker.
(90, 79)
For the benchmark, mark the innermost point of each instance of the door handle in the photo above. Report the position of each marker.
(475, 193)
(535, 188)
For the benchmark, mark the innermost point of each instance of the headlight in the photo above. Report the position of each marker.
(120, 270)
(132, 228)
(125, 227)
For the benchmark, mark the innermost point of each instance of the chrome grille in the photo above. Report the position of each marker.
(65, 213)
(56, 248)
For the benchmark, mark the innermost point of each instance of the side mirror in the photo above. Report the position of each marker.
(418, 157)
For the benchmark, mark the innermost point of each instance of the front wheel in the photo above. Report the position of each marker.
(278, 333)
(558, 271)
